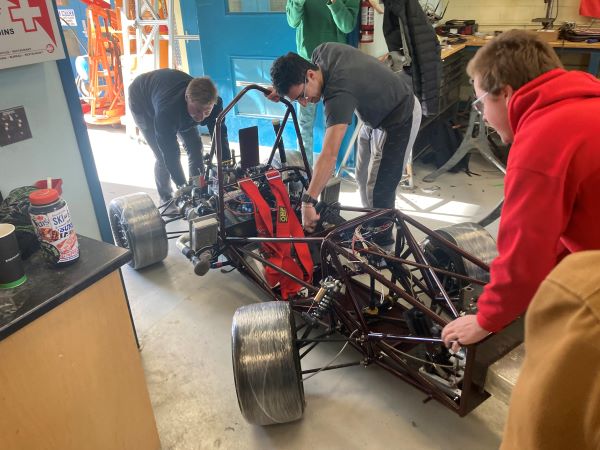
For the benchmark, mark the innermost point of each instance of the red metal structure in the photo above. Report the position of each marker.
(388, 304)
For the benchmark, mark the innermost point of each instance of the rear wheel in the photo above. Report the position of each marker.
(470, 237)
(473, 239)
(266, 365)
(137, 225)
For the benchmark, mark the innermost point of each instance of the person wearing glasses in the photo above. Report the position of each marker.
(317, 22)
(551, 204)
(348, 80)
(168, 103)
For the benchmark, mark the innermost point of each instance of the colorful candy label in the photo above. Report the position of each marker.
(56, 234)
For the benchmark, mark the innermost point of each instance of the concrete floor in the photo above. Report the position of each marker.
(184, 326)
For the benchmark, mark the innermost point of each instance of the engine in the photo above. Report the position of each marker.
(200, 207)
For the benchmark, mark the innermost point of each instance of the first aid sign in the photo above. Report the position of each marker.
(28, 33)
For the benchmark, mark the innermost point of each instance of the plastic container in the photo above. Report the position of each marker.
(51, 218)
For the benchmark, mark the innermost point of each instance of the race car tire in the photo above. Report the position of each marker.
(137, 225)
(266, 364)
(470, 237)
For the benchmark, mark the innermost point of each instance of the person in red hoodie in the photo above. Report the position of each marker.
(552, 184)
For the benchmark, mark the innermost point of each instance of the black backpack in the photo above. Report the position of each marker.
(14, 209)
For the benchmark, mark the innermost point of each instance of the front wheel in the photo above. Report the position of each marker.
(137, 225)
(266, 364)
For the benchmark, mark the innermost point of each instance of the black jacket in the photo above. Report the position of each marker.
(157, 104)
(424, 49)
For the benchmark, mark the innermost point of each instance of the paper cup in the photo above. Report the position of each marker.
(12, 273)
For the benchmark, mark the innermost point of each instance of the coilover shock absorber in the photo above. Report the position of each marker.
(324, 298)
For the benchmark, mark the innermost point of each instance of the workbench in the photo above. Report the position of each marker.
(454, 60)
(71, 375)
(593, 50)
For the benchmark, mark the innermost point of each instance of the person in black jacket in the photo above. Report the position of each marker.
(167, 103)
(419, 47)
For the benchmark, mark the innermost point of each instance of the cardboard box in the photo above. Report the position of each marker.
(547, 35)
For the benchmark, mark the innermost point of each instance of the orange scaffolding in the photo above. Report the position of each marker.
(106, 94)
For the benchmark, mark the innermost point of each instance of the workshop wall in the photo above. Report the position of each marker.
(52, 150)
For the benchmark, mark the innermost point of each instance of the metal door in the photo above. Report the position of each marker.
(239, 41)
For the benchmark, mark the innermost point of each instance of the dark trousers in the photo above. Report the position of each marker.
(193, 147)
(162, 175)
(381, 157)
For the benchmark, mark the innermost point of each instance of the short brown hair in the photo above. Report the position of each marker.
(201, 91)
(513, 58)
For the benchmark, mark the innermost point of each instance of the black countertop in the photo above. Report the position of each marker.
(47, 287)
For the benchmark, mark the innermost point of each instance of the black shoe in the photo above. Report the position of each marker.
(168, 207)
(385, 242)
(385, 238)
(171, 210)
(164, 200)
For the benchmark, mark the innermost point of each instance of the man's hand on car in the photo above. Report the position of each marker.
(463, 331)
(273, 96)
(183, 190)
(310, 217)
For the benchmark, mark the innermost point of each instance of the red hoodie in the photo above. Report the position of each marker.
(552, 189)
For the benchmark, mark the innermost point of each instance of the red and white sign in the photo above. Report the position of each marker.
(28, 33)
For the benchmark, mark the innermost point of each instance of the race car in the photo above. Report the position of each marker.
(347, 283)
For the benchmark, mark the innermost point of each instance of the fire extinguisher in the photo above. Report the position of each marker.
(367, 21)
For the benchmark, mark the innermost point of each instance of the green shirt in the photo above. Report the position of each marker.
(319, 21)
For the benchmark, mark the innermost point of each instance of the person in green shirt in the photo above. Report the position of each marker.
(317, 22)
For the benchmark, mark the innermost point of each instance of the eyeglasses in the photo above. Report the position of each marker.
(478, 103)
(303, 94)
(304, 90)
